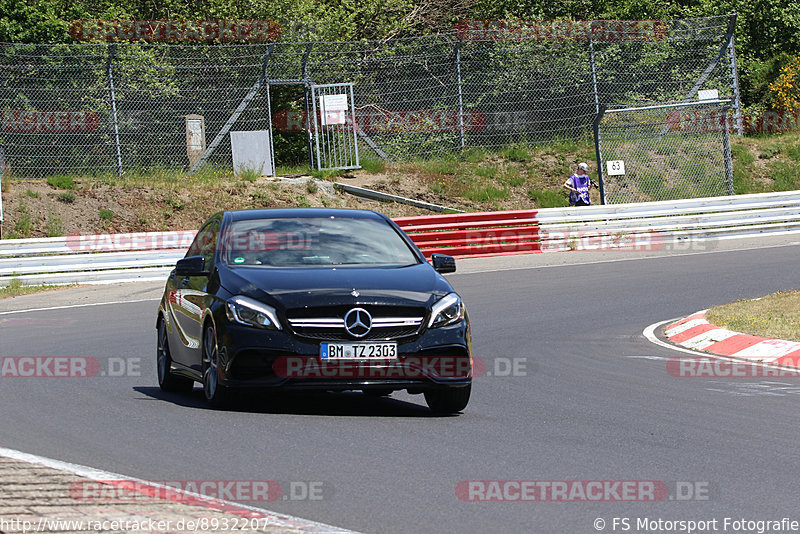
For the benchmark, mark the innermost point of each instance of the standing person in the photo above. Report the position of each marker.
(579, 185)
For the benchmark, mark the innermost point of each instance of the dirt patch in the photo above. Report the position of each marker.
(32, 208)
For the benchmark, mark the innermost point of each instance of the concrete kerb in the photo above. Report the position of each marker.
(694, 332)
(43, 495)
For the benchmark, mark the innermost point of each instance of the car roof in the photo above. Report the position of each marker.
(281, 213)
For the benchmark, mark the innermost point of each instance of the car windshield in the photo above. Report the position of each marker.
(315, 241)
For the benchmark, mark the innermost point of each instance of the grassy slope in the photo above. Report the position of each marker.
(514, 177)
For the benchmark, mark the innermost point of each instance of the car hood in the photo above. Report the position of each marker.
(413, 285)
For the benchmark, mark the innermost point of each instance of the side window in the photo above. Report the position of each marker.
(205, 243)
(208, 245)
(194, 248)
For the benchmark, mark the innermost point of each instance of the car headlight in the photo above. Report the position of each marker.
(250, 312)
(446, 311)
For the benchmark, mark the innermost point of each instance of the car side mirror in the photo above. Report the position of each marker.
(191, 266)
(443, 263)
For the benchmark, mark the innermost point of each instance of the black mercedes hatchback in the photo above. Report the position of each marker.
(326, 299)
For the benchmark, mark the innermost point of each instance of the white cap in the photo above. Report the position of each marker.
(583, 166)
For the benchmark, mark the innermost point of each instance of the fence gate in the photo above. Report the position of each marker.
(334, 127)
(664, 152)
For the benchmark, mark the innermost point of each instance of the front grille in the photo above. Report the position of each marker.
(376, 334)
(327, 323)
(338, 311)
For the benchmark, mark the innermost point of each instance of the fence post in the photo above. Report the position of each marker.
(251, 94)
(308, 82)
(460, 95)
(112, 50)
(598, 152)
(734, 74)
(726, 153)
(594, 74)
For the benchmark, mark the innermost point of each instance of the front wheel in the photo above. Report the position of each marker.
(217, 395)
(166, 380)
(448, 400)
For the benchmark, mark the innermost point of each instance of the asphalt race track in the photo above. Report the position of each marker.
(592, 401)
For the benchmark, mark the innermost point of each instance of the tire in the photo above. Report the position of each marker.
(217, 395)
(377, 392)
(167, 381)
(448, 400)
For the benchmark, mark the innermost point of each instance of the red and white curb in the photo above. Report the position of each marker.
(694, 332)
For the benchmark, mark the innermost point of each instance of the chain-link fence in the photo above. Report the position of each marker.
(99, 107)
(665, 152)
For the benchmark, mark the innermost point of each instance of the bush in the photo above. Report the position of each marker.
(548, 199)
(54, 228)
(24, 225)
(785, 176)
(516, 153)
(249, 175)
(373, 166)
(475, 155)
(61, 182)
(485, 193)
(785, 90)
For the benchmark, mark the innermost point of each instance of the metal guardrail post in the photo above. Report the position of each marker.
(307, 83)
(594, 75)
(734, 74)
(726, 154)
(251, 94)
(460, 95)
(726, 48)
(112, 50)
(598, 152)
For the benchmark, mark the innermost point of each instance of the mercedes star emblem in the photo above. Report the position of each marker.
(358, 322)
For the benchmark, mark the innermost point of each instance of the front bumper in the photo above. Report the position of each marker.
(253, 358)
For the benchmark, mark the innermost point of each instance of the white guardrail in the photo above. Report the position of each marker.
(149, 256)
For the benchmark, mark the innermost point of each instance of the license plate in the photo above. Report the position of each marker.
(358, 351)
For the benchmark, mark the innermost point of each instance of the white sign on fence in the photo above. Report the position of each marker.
(708, 94)
(615, 168)
(333, 108)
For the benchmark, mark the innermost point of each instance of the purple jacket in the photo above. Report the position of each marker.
(581, 183)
